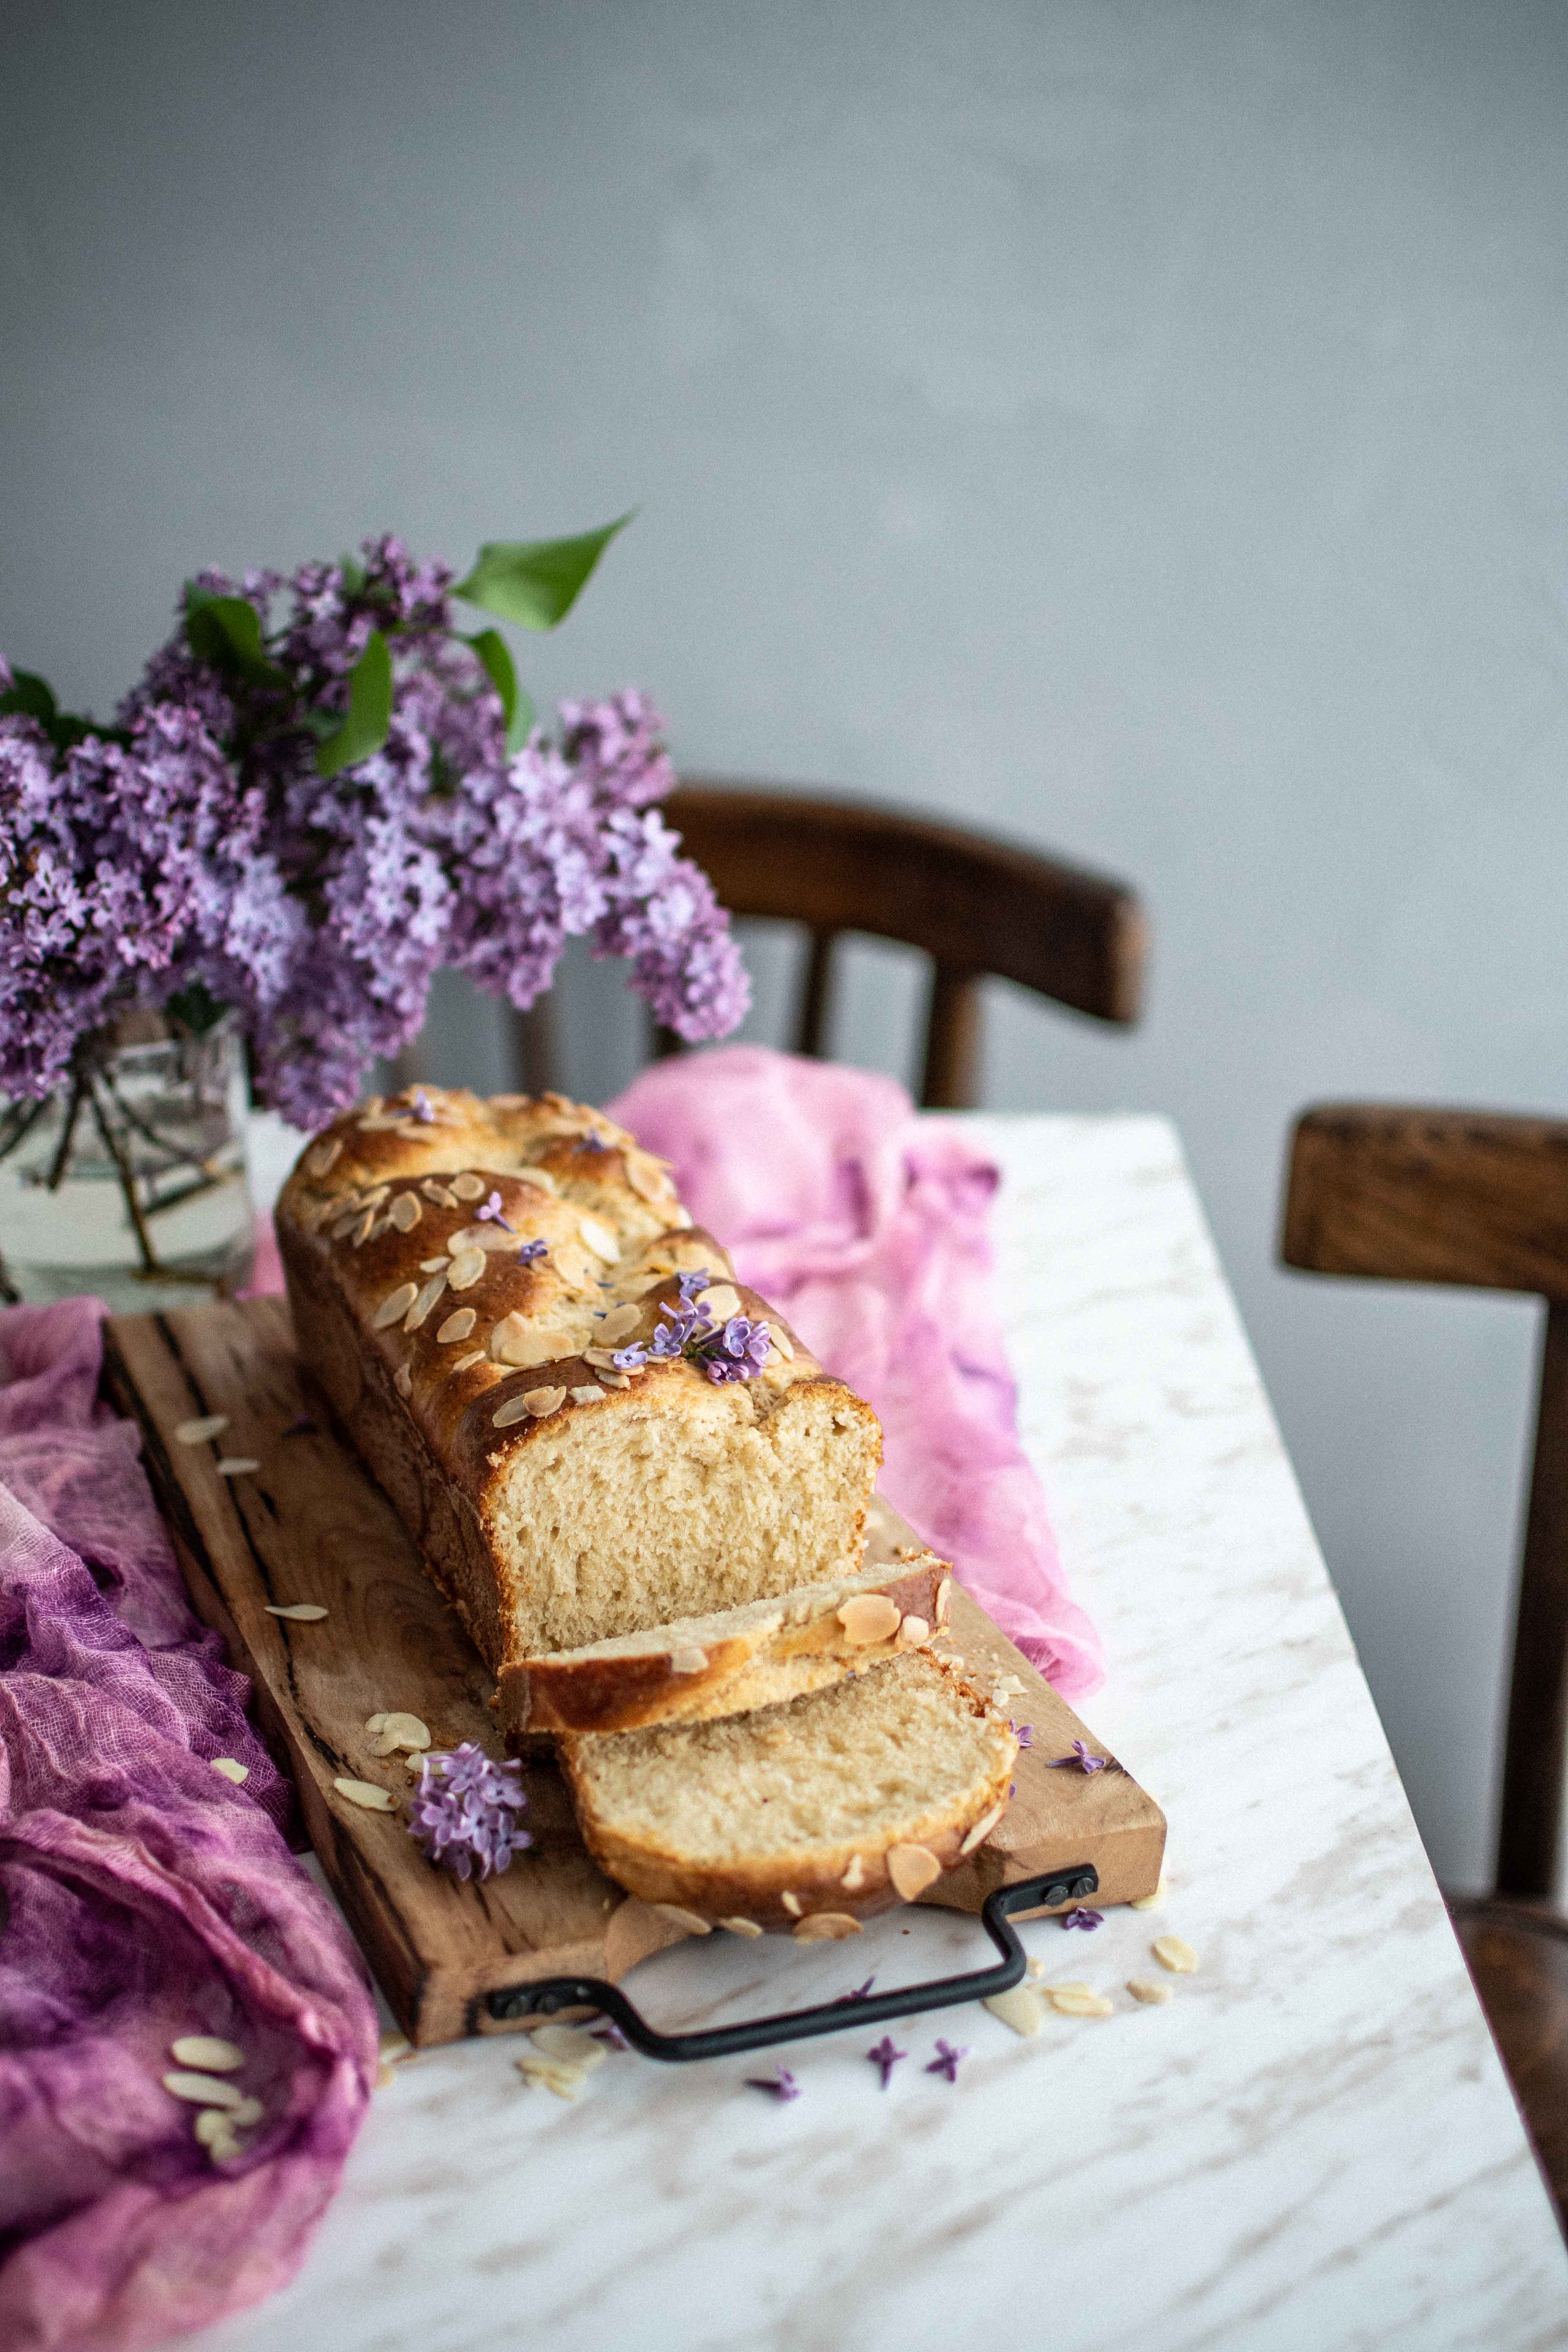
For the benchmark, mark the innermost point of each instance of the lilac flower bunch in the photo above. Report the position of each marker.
(301, 819)
(737, 1350)
(465, 1808)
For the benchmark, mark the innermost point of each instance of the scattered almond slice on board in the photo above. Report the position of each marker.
(1174, 1953)
(300, 1613)
(1021, 2007)
(196, 1432)
(237, 1466)
(1154, 1902)
(1152, 1995)
(232, 1769)
(365, 1793)
(1078, 2001)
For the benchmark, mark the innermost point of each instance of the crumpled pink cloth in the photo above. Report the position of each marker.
(142, 1896)
(865, 1223)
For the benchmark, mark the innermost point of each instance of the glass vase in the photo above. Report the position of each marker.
(130, 1181)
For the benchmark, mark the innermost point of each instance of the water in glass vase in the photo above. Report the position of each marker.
(130, 1180)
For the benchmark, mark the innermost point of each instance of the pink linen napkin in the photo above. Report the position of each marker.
(142, 1898)
(865, 1223)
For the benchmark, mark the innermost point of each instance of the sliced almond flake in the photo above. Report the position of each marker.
(201, 2090)
(615, 1379)
(739, 1926)
(375, 1197)
(374, 1722)
(250, 2111)
(511, 1327)
(587, 1395)
(209, 2053)
(983, 1827)
(458, 1326)
(396, 1731)
(647, 1181)
(679, 1217)
(1036, 1967)
(303, 1612)
(618, 1325)
(568, 2045)
(721, 1300)
(598, 1237)
(691, 1922)
(869, 1617)
(1021, 2007)
(437, 1195)
(690, 1661)
(827, 1927)
(425, 1301)
(406, 1211)
(565, 2081)
(344, 1225)
(1154, 1902)
(541, 1402)
(364, 1229)
(403, 1382)
(213, 2127)
(1152, 1996)
(1078, 2001)
(602, 1358)
(529, 1348)
(237, 1466)
(466, 1363)
(395, 1305)
(196, 1432)
(467, 1187)
(791, 1904)
(232, 1769)
(432, 1266)
(781, 1341)
(381, 1225)
(944, 1595)
(854, 1877)
(912, 1868)
(914, 1632)
(1173, 1952)
(516, 1408)
(366, 1794)
(321, 1161)
(466, 1269)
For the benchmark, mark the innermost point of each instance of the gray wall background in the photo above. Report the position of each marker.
(1136, 428)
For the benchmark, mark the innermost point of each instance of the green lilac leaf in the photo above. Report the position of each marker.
(369, 715)
(353, 573)
(28, 697)
(226, 631)
(516, 707)
(535, 581)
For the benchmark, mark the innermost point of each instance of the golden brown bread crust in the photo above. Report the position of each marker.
(579, 1222)
(783, 1892)
(755, 1657)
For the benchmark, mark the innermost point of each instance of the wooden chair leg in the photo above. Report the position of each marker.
(952, 1075)
(1538, 1703)
(534, 1048)
(812, 1028)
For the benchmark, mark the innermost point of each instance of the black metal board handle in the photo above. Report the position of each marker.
(553, 1993)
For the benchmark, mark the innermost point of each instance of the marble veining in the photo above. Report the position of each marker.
(1311, 2145)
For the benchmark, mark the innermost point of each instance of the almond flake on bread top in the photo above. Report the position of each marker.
(830, 1807)
(447, 1269)
(703, 1667)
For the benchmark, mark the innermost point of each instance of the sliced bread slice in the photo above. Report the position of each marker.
(726, 1664)
(805, 1817)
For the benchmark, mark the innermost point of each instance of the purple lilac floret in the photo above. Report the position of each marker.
(1082, 1918)
(610, 2035)
(859, 1991)
(424, 1109)
(781, 2083)
(300, 1426)
(489, 1212)
(193, 857)
(885, 2056)
(465, 1808)
(947, 2060)
(1023, 1732)
(735, 1351)
(1081, 1760)
(531, 1250)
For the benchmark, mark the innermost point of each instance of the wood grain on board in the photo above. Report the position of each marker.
(309, 1525)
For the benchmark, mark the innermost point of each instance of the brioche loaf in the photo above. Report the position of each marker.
(462, 1276)
(701, 1667)
(807, 1816)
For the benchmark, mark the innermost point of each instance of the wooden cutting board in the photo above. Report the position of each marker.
(311, 1525)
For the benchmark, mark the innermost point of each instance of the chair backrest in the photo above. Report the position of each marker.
(976, 907)
(1404, 1194)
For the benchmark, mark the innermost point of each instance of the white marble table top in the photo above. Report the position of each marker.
(1311, 2147)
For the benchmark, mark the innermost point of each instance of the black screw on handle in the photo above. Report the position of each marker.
(553, 1993)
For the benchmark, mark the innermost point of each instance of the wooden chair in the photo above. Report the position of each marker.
(1411, 1195)
(975, 907)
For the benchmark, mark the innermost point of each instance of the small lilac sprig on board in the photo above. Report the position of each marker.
(465, 1808)
(781, 2083)
(947, 2060)
(1082, 1760)
(1082, 1918)
(884, 2056)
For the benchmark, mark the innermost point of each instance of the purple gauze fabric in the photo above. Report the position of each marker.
(142, 1896)
(865, 1223)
